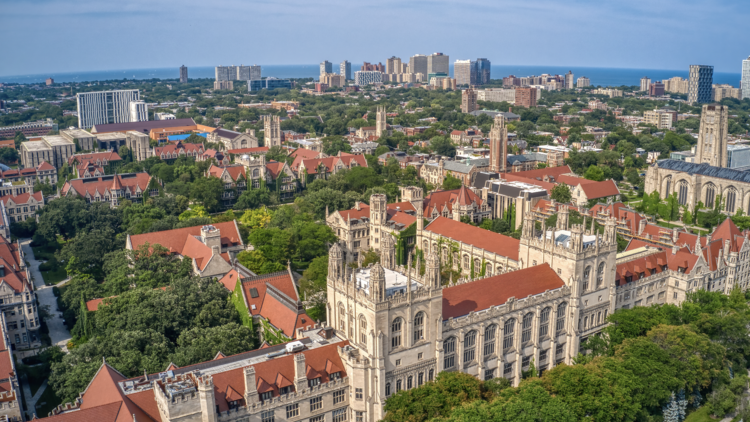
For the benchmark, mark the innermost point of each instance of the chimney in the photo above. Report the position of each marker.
(726, 247)
(251, 387)
(300, 373)
(641, 226)
(215, 250)
(674, 249)
(357, 205)
(510, 109)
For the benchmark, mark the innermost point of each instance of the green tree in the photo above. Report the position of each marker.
(594, 173)
(207, 191)
(561, 193)
(442, 145)
(451, 182)
(8, 155)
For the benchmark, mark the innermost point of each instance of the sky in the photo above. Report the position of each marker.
(41, 36)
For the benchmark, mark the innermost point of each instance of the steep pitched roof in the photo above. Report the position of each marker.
(176, 239)
(704, 170)
(601, 189)
(274, 297)
(94, 157)
(437, 201)
(22, 198)
(249, 151)
(478, 237)
(234, 171)
(104, 184)
(492, 291)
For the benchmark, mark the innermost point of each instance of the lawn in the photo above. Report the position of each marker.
(53, 277)
(50, 401)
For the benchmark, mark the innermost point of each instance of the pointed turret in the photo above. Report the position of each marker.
(335, 262)
(388, 252)
(432, 271)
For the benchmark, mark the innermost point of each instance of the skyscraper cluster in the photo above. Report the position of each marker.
(472, 72)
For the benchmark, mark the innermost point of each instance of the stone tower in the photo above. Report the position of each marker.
(712, 138)
(432, 271)
(378, 218)
(498, 145)
(272, 130)
(380, 124)
(388, 252)
(585, 260)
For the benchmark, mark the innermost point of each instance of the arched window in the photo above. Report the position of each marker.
(398, 385)
(731, 200)
(396, 333)
(489, 340)
(668, 185)
(477, 266)
(585, 322)
(710, 196)
(586, 277)
(470, 344)
(409, 382)
(445, 254)
(560, 324)
(363, 330)
(449, 350)
(488, 269)
(527, 323)
(342, 319)
(431, 375)
(256, 173)
(682, 192)
(600, 275)
(544, 322)
(387, 389)
(420, 379)
(508, 329)
(419, 327)
(426, 246)
(466, 261)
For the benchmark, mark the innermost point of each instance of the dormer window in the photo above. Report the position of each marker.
(266, 396)
(313, 382)
(334, 376)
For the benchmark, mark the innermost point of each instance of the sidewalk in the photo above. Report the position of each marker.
(57, 331)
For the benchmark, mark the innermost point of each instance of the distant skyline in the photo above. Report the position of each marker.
(56, 36)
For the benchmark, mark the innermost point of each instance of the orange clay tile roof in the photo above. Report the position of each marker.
(235, 171)
(178, 147)
(230, 280)
(284, 316)
(95, 157)
(175, 240)
(492, 291)
(103, 389)
(44, 166)
(105, 184)
(478, 237)
(101, 413)
(275, 168)
(22, 198)
(437, 201)
(601, 189)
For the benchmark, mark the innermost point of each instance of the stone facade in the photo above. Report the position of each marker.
(712, 138)
(272, 130)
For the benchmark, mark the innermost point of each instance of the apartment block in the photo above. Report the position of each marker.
(722, 91)
(39, 128)
(700, 84)
(465, 72)
(583, 82)
(468, 100)
(223, 85)
(526, 97)
(183, 74)
(105, 107)
(497, 95)
(418, 64)
(438, 63)
(662, 119)
(363, 78)
(345, 70)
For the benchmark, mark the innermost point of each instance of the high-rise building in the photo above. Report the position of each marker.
(418, 64)
(645, 83)
(104, 107)
(183, 74)
(722, 91)
(393, 66)
(676, 85)
(569, 80)
(272, 130)
(497, 95)
(369, 67)
(468, 100)
(712, 138)
(583, 82)
(224, 85)
(465, 72)
(345, 70)
(367, 77)
(248, 73)
(498, 145)
(326, 67)
(745, 82)
(438, 63)
(526, 96)
(483, 71)
(226, 73)
(49, 81)
(332, 79)
(138, 111)
(656, 89)
(699, 83)
(268, 83)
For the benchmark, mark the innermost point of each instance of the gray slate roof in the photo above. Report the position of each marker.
(704, 170)
(457, 167)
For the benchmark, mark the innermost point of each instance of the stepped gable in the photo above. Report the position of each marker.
(492, 291)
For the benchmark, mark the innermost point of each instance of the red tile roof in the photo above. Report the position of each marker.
(175, 240)
(234, 171)
(22, 198)
(437, 201)
(275, 168)
(478, 237)
(106, 184)
(601, 189)
(492, 291)
(94, 157)
(285, 315)
(175, 148)
(102, 413)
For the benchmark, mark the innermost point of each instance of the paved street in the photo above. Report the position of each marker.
(57, 331)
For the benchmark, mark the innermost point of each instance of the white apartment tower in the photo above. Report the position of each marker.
(105, 107)
(418, 64)
(138, 111)
(745, 82)
(645, 83)
(569, 80)
(345, 70)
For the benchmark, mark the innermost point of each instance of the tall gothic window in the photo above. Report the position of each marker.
(396, 333)
(489, 340)
(710, 196)
(682, 195)
(419, 327)
(449, 349)
(731, 200)
(544, 322)
(586, 278)
(470, 345)
(528, 320)
(600, 275)
(560, 324)
(363, 330)
(508, 329)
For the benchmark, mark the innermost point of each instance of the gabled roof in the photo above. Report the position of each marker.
(234, 171)
(446, 198)
(478, 237)
(174, 240)
(105, 184)
(22, 198)
(274, 297)
(275, 168)
(704, 170)
(492, 291)
(176, 147)
(94, 157)
(601, 189)
(249, 151)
